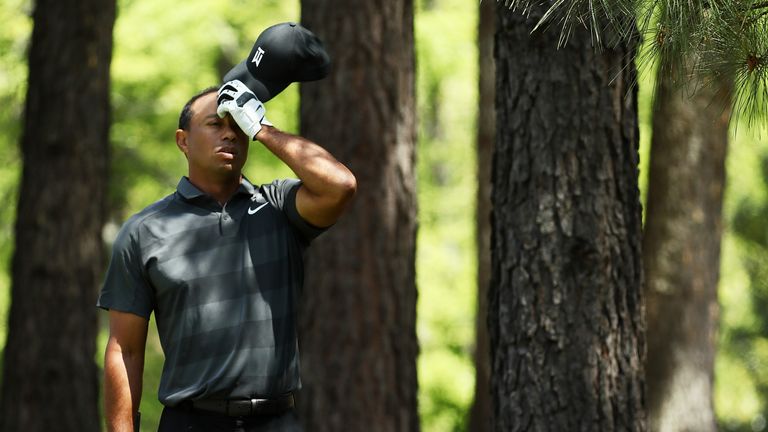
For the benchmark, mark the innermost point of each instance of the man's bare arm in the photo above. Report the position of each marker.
(327, 185)
(123, 369)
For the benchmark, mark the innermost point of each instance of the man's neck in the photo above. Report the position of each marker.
(219, 189)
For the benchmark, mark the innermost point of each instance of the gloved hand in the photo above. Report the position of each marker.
(244, 107)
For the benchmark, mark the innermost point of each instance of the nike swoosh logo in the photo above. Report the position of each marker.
(253, 211)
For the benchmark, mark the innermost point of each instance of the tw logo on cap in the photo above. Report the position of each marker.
(258, 56)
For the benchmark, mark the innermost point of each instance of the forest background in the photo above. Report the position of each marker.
(164, 52)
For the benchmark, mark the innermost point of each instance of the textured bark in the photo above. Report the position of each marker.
(358, 317)
(565, 307)
(50, 379)
(681, 252)
(481, 411)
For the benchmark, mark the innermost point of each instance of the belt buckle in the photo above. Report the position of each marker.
(257, 406)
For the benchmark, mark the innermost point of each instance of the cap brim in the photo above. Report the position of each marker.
(263, 89)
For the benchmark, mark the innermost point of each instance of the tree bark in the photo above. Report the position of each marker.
(565, 307)
(50, 379)
(358, 317)
(481, 411)
(681, 251)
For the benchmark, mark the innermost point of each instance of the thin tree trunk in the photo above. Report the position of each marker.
(681, 252)
(565, 311)
(481, 411)
(358, 317)
(50, 379)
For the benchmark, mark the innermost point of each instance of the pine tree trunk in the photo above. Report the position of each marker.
(358, 317)
(50, 379)
(566, 311)
(681, 252)
(481, 411)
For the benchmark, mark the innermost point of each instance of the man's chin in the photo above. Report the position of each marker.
(231, 165)
(228, 171)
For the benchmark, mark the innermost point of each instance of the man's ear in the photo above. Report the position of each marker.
(181, 140)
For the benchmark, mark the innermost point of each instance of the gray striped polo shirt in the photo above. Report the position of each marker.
(223, 283)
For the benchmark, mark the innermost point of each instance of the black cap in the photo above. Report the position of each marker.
(283, 53)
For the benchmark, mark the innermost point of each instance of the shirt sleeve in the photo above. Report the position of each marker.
(126, 289)
(282, 195)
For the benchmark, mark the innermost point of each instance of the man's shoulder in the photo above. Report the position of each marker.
(148, 214)
(157, 208)
(277, 191)
(279, 183)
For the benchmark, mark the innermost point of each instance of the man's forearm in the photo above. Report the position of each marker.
(122, 388)
(318, 170)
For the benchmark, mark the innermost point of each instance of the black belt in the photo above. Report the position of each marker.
(245, 407)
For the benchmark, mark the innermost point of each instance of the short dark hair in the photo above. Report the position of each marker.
(186, 112)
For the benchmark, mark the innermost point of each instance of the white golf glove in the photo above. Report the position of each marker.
(244, 107)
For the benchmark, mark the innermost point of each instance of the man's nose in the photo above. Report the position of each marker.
(230, 128)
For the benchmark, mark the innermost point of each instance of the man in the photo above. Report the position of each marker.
(220, 263)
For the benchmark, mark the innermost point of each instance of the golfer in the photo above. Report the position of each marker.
(219, 262)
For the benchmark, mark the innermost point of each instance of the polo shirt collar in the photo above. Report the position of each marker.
(246, 187)
(189, 191)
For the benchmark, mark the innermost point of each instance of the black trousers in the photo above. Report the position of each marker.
(188, 420)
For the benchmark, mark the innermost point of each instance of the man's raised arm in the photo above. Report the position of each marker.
(327, 185)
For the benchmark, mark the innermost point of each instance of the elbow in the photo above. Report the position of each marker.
(343, 191)
(334, 197)
(346, 187)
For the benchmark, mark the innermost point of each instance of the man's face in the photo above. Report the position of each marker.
(216, 148)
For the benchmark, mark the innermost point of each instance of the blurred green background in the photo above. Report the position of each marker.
(164, 52)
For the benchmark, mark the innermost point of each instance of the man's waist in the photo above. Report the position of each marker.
(245, 407)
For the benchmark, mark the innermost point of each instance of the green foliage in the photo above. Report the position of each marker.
(14, 36)
(725, 38)
(740, 402)
(446, 254)
(736, 398)
(721, 38)
(747, 339)
(645, 95)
